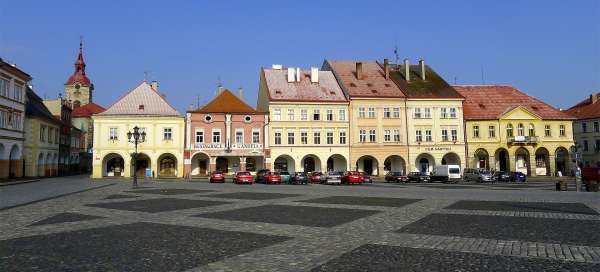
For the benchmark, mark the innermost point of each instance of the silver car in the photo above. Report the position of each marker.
(333, 177)
(478, 175)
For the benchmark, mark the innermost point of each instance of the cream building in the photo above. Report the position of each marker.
(586, 129)
(161, 155)
(507, 130)
(308, 126)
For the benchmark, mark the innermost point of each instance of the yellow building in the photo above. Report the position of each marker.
(587, 130)
(377, 136)
(161, 155)
(308, 119)
(507, 130)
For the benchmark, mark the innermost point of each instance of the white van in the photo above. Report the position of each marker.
(446, 172)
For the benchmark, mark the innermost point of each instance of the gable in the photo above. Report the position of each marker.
(143, 100)
(519, 113)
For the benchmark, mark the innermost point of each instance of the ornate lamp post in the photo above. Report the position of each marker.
(135, 138)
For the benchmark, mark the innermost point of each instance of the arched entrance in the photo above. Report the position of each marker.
(222, 164)
(113, 165)
(394, 163)
(40, 165)
(561, 159)
(200, 164)
(141, 164)
(311, 163)
(502, 160)
(542, 162)
(482, 159)
(425, 163)
(254, 164)
(284, 163)
(451, 159)
(54, 166)
(367, 164)
(48, 165)
(167, 165)
(14, 163)
(522, 163)
(337, 162)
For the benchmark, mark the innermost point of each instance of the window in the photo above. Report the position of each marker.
(396, 135)
(585, 145)
(596, 127)
(418, 136)
(256, 137)
(475, 131)
(317, 137)
(387, 113)
(290, 137)
(547, 131)
(584, 127)
(168, 134)
(428, 137)
(531, 130)
(372, 136)
(427, 113)
(597, 145)
(276, 114)
(199, 136)
(444, 135)
(291, 114)
(444, 113)
(50, 134)
(342, 137)
(362, 136)
(361, 112)
(216, 136)
(561, 130)
(304, 114)
(387, 135)
(330, 137)
(2, 119)
(239, 137)
(520, 130)
(316, 115)
(4, 87)
(113, 134)
(453, 113)
(303, 137)
(418, 114)
(56, 137)
(492, 131)
(18, 92)
(277, 137)
(342, 115)
(454, 134)
(371, 112)
(396, 113)
(329, 115)
(42, 133)
(509, 130)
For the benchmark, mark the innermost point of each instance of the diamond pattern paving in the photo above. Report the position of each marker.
(170, 191)
(157, 204)
(252, 195)
(547, 207)
(364, 201)
(120, 196)
(65, 217)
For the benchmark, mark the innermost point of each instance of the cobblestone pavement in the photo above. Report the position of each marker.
(197, 226)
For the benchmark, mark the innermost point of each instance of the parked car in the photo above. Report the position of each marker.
(316, 177)
(285, 176)
(299, 178)
(366, 178)
(519, 177)
(260, 175)
(396, 177)
(418, 177)
(478, 175)
(243, 177)
(352, 177)
(333, 177)
(503, 176)
(217, 176)
(272, 178)
(446, 172)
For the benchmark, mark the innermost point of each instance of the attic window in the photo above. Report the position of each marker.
(141, 107)
(331, 92)
(374, 91)
(278, 91)
(388, 85)
(352, 85)
(369, 85)
(535, 107)
(482, 106)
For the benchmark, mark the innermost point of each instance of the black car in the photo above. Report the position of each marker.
(395, 177)
(503, 176)
(418, 177)
(261, 174)
(299, 178)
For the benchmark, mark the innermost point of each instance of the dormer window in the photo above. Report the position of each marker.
(141, 107)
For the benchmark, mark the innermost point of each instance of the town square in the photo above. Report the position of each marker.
(318, 137)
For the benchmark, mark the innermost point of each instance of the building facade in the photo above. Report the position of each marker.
(586, 129)
(161, 155)
(377, 116)
(42, 129)
(62, 109)
(507, 130)
(308, 121)
(13, 84)
(226, 135)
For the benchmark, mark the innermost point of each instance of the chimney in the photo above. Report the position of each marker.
(314, 75)
(220, 89)
(359, 71)
(154, 85)
(298, 74)
(594, 98)
(241, 93)
(386, 68)
(291, 74)
(422, 65)
(407, 69)
(277, 67)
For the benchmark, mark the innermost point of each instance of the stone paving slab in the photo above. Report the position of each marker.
(548, 207)
(252, 195)
(169, 191)
(524, 214)
(363, 201)
(293, 215)
(458, 187)
(391, 258)
(120, 196)
(157, 204)
(130, 247)
(560, 231)
(65, 217)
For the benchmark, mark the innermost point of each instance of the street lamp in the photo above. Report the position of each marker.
(135, 138)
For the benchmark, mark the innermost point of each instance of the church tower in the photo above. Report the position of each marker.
(78, 87)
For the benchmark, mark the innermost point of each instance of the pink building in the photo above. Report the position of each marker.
(227, 135)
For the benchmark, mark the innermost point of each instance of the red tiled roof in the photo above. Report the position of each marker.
(87, 110)
(279, 89)
(226, 102)
(586, 109)
(373, 83)
(492, 101)
(142, 100)
(79, 74)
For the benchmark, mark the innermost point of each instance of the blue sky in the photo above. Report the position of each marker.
(549, 49)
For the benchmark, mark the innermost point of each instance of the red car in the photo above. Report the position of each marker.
(217, 176)
(316, 177)
(243, 177)
(272, 178)
(352, 177)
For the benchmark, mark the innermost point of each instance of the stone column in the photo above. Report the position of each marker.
(212, 164)
(242, 163)
(552, 162)
(228, 129)
(4, 164)
(513, 163)
(532, 165)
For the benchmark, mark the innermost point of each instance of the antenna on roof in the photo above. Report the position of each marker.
(80, 42)
(146, 75)
(198, 101)
(482, 78)
(396, 53)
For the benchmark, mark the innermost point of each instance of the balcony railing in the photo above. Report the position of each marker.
(523, 140)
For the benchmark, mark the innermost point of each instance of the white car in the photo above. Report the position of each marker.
(333, 177)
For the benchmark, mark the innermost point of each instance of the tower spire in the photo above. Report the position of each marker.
(79, 73)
